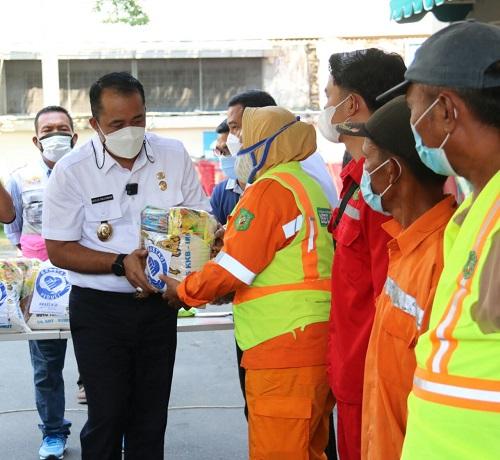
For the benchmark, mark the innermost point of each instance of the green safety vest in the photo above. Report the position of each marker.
(454, 407)
(294, 289)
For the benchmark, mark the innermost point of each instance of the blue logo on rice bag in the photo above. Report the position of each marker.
(157, 265)
(51, 283)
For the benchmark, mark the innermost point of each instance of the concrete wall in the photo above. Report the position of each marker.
(486, 11)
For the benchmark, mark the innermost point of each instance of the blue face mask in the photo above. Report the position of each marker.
(251, 151)
(227, 166)
(433, 157)
(371, 198)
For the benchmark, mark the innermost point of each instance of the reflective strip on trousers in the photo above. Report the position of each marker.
(404, 301)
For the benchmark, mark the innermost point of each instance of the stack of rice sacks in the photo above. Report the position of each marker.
(178, 241)
(16, 286)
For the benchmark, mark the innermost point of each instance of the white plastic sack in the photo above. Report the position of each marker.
(11, 294)
(49, 306)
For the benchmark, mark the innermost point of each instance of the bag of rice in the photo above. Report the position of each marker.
(178, 243)
(11, 293)
(49, 306)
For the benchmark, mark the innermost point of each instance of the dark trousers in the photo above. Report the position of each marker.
(125, 350)
(331, 449)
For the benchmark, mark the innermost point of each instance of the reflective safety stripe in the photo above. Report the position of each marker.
(453, 391)
(309, 258)
(293, 226)
(310, 243)
(237, 269)
(404, 301)
(445, 343)
(352, 212)
(456, 390)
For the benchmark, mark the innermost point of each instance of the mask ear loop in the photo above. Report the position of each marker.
(455, 114)
(426, 111)
(392, 183)
(150, 159)
(95, 156)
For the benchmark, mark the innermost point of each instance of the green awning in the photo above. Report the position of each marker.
(444, 10)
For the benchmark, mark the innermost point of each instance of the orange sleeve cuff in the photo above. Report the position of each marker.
(210, 283)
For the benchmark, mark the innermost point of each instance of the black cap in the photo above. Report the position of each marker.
(458, 56)
(388, 127)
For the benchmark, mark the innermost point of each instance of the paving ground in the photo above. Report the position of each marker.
(205, 375)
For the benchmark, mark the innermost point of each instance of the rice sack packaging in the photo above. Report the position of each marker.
(49, 308)
(11, 291)
(178, 242)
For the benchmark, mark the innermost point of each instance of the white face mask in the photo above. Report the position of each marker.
(243, 167)
(126, 142)
(233, 144)
(55, 146)
(326, 128)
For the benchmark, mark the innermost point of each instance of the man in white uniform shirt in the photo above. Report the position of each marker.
(124, 345)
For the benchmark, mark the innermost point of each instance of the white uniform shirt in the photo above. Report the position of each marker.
(79, 196)
(315, 166)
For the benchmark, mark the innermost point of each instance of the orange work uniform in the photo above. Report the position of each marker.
(402, 311)
(286, 375)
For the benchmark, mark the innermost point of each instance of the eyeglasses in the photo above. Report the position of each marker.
(221, 152)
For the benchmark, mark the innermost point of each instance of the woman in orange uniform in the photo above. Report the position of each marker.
(276, 257)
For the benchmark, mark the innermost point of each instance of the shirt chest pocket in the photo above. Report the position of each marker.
(396, 355)
(107, 211)
(349, 240)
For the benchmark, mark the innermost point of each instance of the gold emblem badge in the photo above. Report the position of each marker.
(104, 231)
(163, 185)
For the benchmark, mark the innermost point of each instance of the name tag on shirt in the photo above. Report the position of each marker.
(100, 199)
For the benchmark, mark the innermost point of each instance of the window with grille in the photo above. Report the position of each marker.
(170, 85)
(23, 87)
(76, 78)
(185, 85)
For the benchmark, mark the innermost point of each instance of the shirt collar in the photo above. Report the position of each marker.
(232, 184)
(407, 240)
(45, 168)
(109, 161)
(354, 170)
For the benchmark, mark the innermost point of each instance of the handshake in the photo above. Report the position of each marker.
(138, 262)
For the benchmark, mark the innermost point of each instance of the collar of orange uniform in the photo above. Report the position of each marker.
(295, 143)
(409, 239)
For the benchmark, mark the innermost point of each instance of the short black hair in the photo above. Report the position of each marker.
(252, 98)
(223, 128)
(50, 109)
(121, 82)
(368, 72)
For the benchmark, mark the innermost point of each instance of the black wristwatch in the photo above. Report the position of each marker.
(118, 268)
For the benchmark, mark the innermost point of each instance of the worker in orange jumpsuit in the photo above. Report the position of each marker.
(276, 258)
(396, 182)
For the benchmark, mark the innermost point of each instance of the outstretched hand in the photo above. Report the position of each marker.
(170, 295)
(218, 242)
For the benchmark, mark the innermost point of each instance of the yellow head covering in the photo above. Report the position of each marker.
(295, 143)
